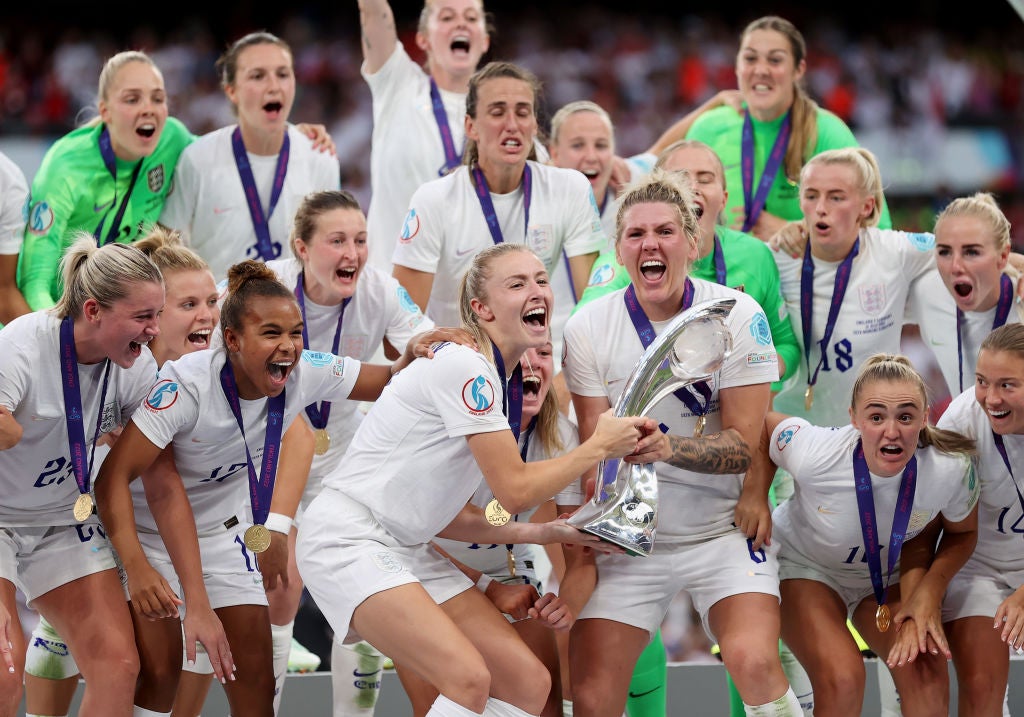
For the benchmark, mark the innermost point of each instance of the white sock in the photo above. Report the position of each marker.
(140, 712)
(798, 679)
(786, 706)
(355, 678)
(566, 708)
(497, 708)
(444, 707)
(281, 639)
(889, 697)
(27, 714)
(1006, 701)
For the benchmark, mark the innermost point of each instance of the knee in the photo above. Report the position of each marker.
(592, 696)
(837, 682)
(112, 669)
(979, 686)
(750, 664)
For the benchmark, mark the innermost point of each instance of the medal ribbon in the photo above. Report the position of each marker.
(511, 393)
(318, 415)
(452, 159)
(73, 405)
(483, 193)
(755, 204)
(807, 305)
(869, 523)
(1002, 313)
(266, 248)
(719, 259)
(261, 487)
(110, 161)
(1001, 447)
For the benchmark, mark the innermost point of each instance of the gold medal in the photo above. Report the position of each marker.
(257, 538)
(495, 514)
(83, 507)
(698, 429)
(511, 563)
(883, 618)
(321, 441)
(809, 397)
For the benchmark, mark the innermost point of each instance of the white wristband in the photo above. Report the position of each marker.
(484, 582)
(279, 523)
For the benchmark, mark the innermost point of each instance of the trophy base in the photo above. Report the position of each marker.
(627, 522)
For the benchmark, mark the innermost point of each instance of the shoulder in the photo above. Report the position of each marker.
(747, 245)
(569, 180)
(175, 131)
(715, 121)
(77, 148)
(832, 128)
(287, 270)
(28, 329)
(438, 190)
(887, 238)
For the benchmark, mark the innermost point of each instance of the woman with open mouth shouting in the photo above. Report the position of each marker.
(236, 189)
(418, 112)
(983, 608)
(348, 308)
(505, 571)
(365, 555)
(501, 194)
(186, 323)
(710, 431)
(223, 411)
(973, 266)
(858, 538)
(52, 546)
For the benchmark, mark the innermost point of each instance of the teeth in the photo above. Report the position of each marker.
(283, 364)
(511, 143)
(590, 172)
(652, 263)
(535, 312)
(203, 332)
(999, 414)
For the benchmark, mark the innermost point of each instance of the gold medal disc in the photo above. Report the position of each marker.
(321, 441)
(495, 514)
(83, 507)
(698, 430)
(257, 538)
(809, 397)
(883, 618)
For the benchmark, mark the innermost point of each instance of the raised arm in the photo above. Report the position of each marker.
(377, 22)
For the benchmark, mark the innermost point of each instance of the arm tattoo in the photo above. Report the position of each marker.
(716, 453)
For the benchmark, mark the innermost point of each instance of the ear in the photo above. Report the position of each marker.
(231, 342)
(481, 309)
(800, 71)
(301, 250)
(104, 111)
(853, 420)
(231, 93)
(869, 206)
(422, 41)
(1004, 256)
(91, 310)
(471, 132)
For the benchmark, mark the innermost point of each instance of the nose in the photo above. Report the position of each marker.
(956, 262)
(152, 327)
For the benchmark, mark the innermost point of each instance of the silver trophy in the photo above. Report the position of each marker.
(624, 509)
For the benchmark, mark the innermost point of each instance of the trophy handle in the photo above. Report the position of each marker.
(624, 509)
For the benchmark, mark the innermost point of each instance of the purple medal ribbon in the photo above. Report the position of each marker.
(452, 159)
(318, 415)
(719, 260)
(511, 393)
(265, 248)
(807, 305)
(645, 332)
(261, 487)
(483, 193)
(1002, 313)
(869, 523)
(110, 161)
(73, 405)
(755, 204)
(1001, 447)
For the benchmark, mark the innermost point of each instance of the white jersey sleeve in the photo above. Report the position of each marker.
(171, 407)
(422, 239)
(13, 206)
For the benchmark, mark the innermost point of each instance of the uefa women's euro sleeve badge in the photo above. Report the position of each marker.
(624, 509)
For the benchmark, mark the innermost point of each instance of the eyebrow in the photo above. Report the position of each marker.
(902, 406)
